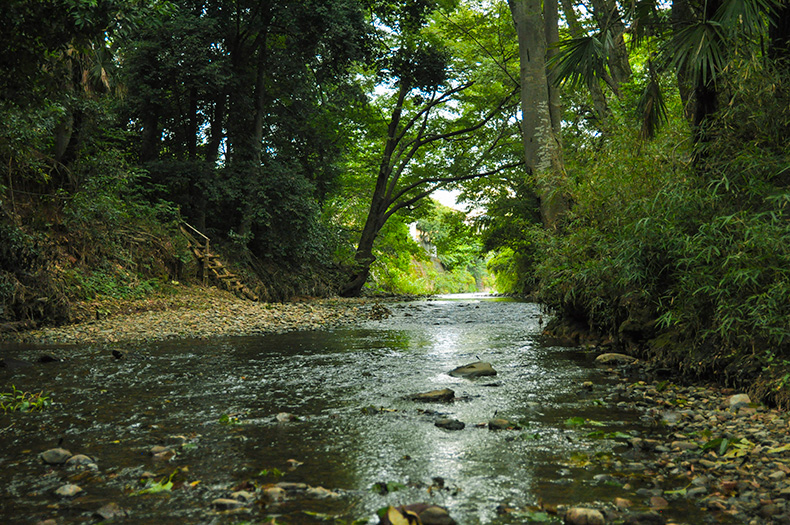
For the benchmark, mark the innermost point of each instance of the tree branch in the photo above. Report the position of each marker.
(440, 183)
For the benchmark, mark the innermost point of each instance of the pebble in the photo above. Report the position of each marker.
(110, 511)
(274, 493)
(226, 504)
(320, 493)
(69, 490)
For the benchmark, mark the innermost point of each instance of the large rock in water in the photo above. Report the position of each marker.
(427, 514)
(55, 456)
(582, 516)
(615, 359)
(477, 369)
(443, 395)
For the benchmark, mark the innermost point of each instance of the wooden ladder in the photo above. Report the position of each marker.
(210, 264)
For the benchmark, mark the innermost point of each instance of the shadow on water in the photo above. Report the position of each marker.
(355, 426)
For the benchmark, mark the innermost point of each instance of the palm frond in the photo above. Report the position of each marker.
(645, 20)
(698, 49)
(578, 61)
(651, 107)
(745, 15)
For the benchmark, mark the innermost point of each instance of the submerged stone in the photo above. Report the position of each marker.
(110, 511)
(472, 370)
(443, 395)
(449, 424)
(226, 504)
(615, 359)
(320, 493)
(582, 516)
(69, 490)
(423, 513)
(501, 424)
(55, 456)
(645, 518)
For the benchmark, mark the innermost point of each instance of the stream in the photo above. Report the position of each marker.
(355, 430)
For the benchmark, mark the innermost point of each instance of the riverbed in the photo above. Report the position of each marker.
(328, 415)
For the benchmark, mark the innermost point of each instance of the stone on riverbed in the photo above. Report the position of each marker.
(472, 370)
(582, 516)
(448, 423)
(55, 456)
(82, 461)
(291, 487)
(274, 493)
(615, 359)
(243, 495)
(502, 424)
(320, 493)
(645, 518)
(110, 511)
(427, 515)
(69, 490)
(442, 395)
(738, 401)
(226, 504)
(284, 417)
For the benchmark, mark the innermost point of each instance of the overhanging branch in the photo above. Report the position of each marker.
(440, 183)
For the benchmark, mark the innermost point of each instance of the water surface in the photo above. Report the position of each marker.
(356, 426)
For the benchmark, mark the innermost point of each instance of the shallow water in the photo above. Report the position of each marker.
(355, 427)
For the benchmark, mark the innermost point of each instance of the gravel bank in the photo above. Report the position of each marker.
(196, 313)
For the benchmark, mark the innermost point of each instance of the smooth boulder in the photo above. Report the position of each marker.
(443, 395)
(449, 424)
(615, 359)
(582, 516)
(423, 513)
(55, 456)
(472, 370)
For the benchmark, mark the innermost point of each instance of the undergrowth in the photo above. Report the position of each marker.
(688, 264)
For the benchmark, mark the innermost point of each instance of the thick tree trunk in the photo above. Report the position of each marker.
(541, 146)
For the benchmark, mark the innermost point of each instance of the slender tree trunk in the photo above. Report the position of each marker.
(541, 146)
(378, 204)
(609, 21)
(551, 15)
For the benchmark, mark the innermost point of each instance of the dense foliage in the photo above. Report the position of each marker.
(676, 246)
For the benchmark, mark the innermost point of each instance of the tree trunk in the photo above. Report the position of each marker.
(551, 15)
(247, 104)
(379, 203)
(541, 146)
(705, 94)
(609, 21)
